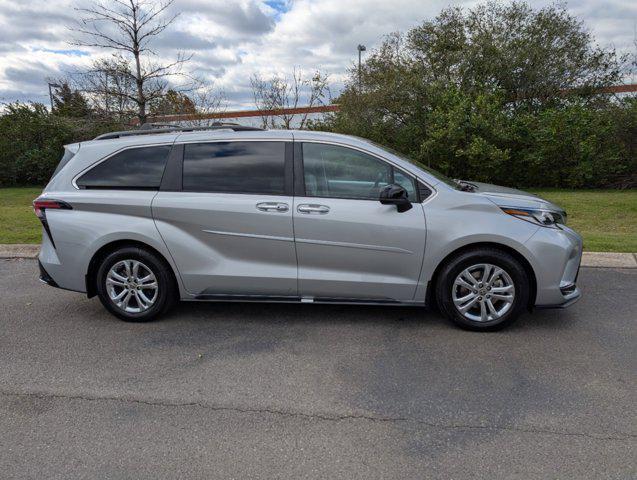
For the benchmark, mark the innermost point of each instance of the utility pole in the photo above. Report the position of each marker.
(106, 93)
(361, 48)
(634, 54)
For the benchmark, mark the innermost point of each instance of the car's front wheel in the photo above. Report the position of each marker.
(135, 285)
(482, 289)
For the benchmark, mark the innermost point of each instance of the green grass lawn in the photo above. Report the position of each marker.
(606, 218)
(18, 223)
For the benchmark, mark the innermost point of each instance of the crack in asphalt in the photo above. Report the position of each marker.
(321, 417)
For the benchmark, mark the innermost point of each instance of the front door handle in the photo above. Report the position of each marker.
(311, 208)
(273, 207)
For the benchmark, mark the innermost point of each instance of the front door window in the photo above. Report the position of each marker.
(337, 172)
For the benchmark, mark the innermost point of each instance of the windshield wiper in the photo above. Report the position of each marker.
(465, 186)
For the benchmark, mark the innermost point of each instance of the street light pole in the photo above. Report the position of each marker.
(361, 48)
(54, 85)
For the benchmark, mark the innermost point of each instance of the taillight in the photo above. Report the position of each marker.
(41, 205)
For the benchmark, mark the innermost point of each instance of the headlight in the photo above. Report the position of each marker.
(544, 218)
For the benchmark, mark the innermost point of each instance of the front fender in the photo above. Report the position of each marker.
(452, 225)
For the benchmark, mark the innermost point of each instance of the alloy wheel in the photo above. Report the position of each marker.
(483, 292)
(132, 286)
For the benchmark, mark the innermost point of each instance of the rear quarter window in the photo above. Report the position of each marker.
(134, 168)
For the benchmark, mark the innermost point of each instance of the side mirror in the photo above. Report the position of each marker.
(395, 195)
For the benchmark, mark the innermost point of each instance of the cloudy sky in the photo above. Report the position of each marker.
(232, 39)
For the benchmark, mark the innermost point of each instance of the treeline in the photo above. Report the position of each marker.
(112, 90)
(32, 138)
(32, 141)
(500, 93)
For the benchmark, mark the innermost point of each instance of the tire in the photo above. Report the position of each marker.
(507, 292)
(144, 302)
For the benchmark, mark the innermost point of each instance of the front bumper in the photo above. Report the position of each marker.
(569, 299)
(557, 254)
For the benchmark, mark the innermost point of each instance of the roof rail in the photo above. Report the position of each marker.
(157, 128)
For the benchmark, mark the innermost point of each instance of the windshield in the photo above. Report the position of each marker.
(435, 173)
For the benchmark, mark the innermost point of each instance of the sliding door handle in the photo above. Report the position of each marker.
(273, 207)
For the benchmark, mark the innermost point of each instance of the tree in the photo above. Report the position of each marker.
(31, 141)
(205, 100)
(173, 103)
(279, 93)
(531, 55)
(129, 27)
(500, 92)
(68, 102)
(192, 105)
(109, 86)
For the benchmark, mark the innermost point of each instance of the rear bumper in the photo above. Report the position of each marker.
(60, 274)
(45, 277)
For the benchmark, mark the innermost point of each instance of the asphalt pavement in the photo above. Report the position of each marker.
(310, 391)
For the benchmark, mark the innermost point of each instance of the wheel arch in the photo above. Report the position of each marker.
(431, 285)
(108, 248)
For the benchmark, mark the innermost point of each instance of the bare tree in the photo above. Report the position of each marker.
(128, 27)
(289, 93)
(207, 100)
(109, 86)
(192, 107)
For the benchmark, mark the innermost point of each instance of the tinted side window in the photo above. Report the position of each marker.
(235, 167)
(407, 183)
(340, 172)
(134, 168)
(424, 191)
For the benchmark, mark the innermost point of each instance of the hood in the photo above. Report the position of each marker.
(512, 197)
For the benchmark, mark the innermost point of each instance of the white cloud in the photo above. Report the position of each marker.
(232, 39)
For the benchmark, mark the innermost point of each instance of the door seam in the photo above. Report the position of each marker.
(296, 253)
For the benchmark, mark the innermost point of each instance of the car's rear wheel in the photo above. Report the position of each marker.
(483, 289)
(135, 284)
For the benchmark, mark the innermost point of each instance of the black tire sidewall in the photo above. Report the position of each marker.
(165, 283)
(495, 257)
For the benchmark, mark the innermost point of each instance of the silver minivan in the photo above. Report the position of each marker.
(230, 213)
